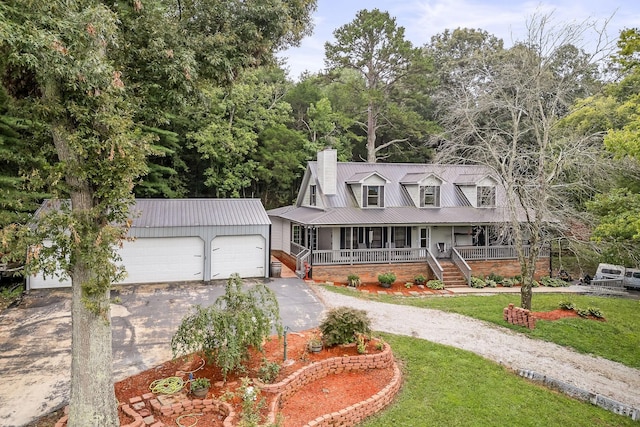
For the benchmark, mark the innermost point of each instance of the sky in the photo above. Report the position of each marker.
(422, 19)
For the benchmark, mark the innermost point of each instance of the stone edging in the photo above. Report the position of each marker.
(142, 408)
(353, 414)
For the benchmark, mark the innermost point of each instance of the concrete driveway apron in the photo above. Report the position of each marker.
(35, 337)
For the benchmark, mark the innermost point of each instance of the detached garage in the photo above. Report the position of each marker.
(190, 239)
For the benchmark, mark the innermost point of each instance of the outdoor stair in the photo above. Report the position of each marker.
(451, 274)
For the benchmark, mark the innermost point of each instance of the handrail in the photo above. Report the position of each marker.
(301, 259)
(462, 265)
(435, 266)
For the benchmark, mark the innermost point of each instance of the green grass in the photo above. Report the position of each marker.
(617, 338)
(444, 386)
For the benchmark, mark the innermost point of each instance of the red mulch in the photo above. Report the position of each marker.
(323, 396)
(560, 313)
(397, 288)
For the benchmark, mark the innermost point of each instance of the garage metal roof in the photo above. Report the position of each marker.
(149, 213)
(198, 212)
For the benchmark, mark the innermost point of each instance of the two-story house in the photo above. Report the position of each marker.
(442, 221)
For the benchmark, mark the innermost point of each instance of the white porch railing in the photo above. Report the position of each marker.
(472, 253)
(368, 256)
(435, 266)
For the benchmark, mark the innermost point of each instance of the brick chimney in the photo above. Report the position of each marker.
(328, 171)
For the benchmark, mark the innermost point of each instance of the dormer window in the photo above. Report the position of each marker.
(430, 196)
(312, 195)
(372, 196)
(486, 197)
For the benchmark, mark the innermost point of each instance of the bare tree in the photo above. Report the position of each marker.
(506, 113)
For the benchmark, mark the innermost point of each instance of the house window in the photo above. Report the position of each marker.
(486, 196)
(401, 237)
(296, 234)
(430, 196)
(312, 195)
(372, 196)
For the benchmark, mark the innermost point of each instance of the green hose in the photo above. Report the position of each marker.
(168, 385)
(187, 415)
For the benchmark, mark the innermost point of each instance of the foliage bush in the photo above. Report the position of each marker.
(353, 280)
(341, 325)
(490, 283)
(435, 284)
(268, 371)
(508, 283)
(495, 277)
(420, 279)
(567, 305)
(387, 278)
(477, 282)
(226, 330)
(553, 282)
(200, 383)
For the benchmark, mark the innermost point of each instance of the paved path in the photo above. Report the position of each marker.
(502, 345)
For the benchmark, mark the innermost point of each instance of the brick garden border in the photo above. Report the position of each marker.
(142, 408)
(353, 414)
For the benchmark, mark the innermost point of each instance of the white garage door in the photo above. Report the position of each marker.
(163, 259)
(244, 255)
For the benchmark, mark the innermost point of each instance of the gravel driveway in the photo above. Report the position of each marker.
(502, 345)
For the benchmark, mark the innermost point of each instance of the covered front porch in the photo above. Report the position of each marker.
(435, 247)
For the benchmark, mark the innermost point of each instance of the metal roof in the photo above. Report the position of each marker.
(157, 213)
(198, 212)
(342, 208)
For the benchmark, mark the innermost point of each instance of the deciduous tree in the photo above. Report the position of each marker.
(508, 120)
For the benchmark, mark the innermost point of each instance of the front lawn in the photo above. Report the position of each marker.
(445, 386)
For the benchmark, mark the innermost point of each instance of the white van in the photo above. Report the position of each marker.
(630, 276)
(609, 272)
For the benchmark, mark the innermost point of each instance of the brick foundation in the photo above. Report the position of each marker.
(368, 273)
(353, 414)
(506, 267)
(519, 316)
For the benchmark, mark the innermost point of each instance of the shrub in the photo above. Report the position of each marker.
(435, 284)
(420, 279)
(553, 282)
(566, 305)
(490, 283)
(477, 282)
(387, 278)
(591, 311)
(200, 383)
(268, 371)
(508, 283)
(341, 325)
(224, 331)
(361, 343)
(353, 280)
(495, 277)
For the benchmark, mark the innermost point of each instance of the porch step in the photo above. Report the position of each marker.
(452, 276)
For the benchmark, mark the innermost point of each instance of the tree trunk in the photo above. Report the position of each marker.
(371, 133)
(93, 401)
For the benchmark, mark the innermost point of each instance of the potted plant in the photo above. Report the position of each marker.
(200, 387)
(315, 344)
(353, 280)
(386, 279)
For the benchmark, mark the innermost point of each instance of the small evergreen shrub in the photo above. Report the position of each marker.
(341, 325)
(435, 284)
